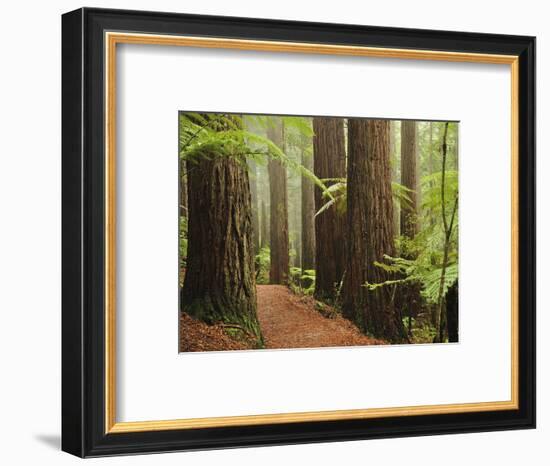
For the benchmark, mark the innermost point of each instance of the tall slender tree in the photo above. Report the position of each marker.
(308, 216)
(254, 199)
(219, 283)
(329, 162)
(370, 230)
(294, 193)
(396, 170)
(431, 161)
(448, 226)
(409, 157)
(410, 297)
(264, 227)
(279, 253)
(297, 234)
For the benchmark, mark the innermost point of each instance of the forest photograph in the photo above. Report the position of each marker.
(315, 231)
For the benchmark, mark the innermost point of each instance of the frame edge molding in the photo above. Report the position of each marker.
(86, 429)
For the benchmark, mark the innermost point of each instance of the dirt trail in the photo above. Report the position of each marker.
(290, 321)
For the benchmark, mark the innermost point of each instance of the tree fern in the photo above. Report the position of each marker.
(428, 246)
(207, 136)
(336, 195)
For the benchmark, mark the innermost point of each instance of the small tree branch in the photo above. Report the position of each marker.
(443, 167)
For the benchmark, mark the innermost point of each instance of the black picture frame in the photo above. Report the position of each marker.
(83, 230)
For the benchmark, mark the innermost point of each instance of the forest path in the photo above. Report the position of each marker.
(291, 321)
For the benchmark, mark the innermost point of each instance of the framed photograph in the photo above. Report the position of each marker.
(284, 232)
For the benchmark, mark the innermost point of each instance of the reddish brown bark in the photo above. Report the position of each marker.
(219, 283)
(381, 318)
(370, 230)
(279, 252)
(329, 162)
(353, 290)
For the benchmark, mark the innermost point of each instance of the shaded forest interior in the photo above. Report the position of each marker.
(316, 231)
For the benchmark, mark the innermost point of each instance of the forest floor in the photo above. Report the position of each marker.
(288, 320)
(198, 336)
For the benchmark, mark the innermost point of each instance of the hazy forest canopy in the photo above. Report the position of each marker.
(316, 231)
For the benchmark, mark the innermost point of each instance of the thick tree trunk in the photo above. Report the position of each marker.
(353, 297)
(408, 178)
(381, 317)
(370, 230)
(219, 284)
(329, 162)
(308, 217)
(451, 307)
(279, 253)
(254, 197)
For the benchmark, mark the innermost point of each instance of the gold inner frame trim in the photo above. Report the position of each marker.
(110, 41)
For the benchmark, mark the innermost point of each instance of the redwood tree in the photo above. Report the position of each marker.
(409, 156)
(410, 296)
(308, 216)
(370, 230)
(264, 228)
(278, 228)
(353, 297)
(329, 161)
(381, 318)
(219, 283)
(254, 197)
